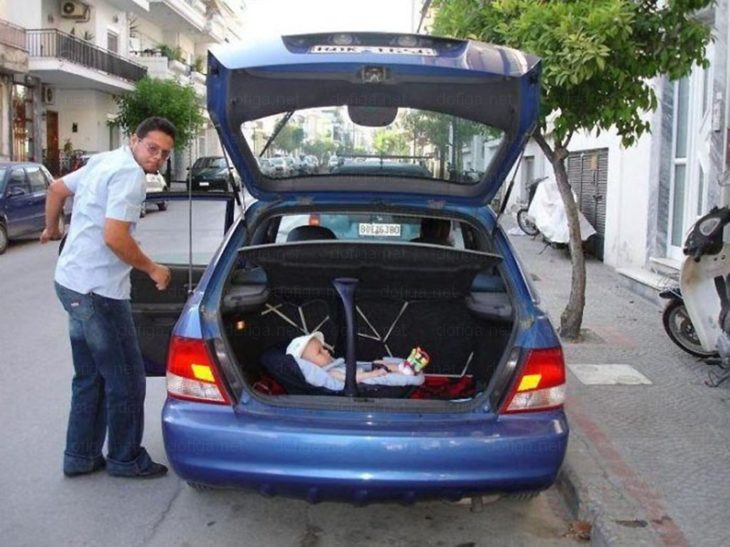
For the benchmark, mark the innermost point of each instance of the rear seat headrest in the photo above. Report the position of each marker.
(310, 233)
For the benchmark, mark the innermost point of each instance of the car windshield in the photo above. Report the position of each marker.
(207, 163)
(386, 227)
(413, 143)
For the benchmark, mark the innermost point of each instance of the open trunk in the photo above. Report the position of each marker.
(452, 303)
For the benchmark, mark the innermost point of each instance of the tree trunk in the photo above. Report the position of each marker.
(572, 316)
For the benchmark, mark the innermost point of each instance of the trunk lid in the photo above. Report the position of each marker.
(404, 115)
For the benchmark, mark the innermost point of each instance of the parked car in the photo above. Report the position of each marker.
(279, 167)
(488, 417)
(154, 183)
(211, 173)
(312, 163)
(333, 162)
(265, 166)
(23, 188)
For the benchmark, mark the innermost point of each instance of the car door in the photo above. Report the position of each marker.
(19, 203)
(39, 189)
(185, 238)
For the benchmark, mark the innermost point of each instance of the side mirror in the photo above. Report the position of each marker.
(16, 191)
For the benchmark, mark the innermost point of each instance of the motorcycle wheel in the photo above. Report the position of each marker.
(525, 224)
(681, 331)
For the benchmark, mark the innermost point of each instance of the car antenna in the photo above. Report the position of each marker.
(505, 199)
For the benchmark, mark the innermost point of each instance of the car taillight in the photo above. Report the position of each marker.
(541, 382)
(192, 374)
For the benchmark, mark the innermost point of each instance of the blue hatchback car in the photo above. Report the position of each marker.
(334, 253)
(23, 187)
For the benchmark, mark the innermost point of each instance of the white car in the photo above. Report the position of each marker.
(333, 162)
(154, 183)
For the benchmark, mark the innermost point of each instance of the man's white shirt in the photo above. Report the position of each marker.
(110, 186)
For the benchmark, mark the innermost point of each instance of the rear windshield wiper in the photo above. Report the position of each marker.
(277, 130)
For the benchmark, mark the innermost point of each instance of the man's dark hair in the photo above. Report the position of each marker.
(155, 123)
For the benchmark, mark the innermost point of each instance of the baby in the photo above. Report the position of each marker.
(322, 370)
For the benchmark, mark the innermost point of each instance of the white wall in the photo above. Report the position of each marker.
(27, 14)
(627, 196)
(88, 109)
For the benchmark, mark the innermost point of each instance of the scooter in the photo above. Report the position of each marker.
(705, 292)
(678, 325)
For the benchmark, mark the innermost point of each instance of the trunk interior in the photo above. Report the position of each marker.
(452, 303)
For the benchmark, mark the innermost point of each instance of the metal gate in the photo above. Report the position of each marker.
(588, 176)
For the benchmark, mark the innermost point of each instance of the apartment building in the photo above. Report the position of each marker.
(80, 55)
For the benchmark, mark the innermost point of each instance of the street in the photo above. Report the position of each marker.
(39, 506)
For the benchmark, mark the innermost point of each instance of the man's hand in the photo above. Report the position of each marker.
(161, 276)
(51, 234)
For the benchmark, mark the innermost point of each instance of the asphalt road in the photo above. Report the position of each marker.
(39, 506)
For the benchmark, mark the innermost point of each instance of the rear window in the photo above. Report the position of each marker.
(204, 163)
(402, 142)
(371, 227)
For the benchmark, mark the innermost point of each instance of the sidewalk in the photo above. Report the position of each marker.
(647, 464)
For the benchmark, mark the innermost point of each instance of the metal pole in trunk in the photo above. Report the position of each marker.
(345, 287)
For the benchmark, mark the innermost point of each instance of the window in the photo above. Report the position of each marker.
(112, 41)
(378, 227)
(18, 180)
(402, 142)
(38, 182)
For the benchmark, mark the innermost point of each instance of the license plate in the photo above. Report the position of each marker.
(204, 183)
(387, 230)
(387, 50)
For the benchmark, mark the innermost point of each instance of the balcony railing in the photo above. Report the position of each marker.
(54, 43)
(12, 35)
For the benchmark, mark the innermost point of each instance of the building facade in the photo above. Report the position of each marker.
(74, 58)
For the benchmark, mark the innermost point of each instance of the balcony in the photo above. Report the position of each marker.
(216, 28)
(13, 53)
(186, 16)
(62, 60)
(160, 66)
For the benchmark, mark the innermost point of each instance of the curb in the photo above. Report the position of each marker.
(592, 496)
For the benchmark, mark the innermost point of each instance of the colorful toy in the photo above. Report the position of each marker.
(415, 362)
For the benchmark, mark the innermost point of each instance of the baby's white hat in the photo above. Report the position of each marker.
(297, 345)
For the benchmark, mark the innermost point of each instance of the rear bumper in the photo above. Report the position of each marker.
(311, 457)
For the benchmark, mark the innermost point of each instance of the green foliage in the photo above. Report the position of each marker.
(166, 98)
(174, 53)
(321, 149)
(290, 138)
(198, 64)
(598, 55)
(387, 142)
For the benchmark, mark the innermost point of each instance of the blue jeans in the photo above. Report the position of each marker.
(108, 388)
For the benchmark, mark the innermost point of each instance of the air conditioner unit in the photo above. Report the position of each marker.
(48, 94)
(73, 9)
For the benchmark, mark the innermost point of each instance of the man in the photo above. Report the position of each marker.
(92, 283)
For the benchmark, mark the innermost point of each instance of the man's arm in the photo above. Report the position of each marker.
(55, 197)
(121, 242)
